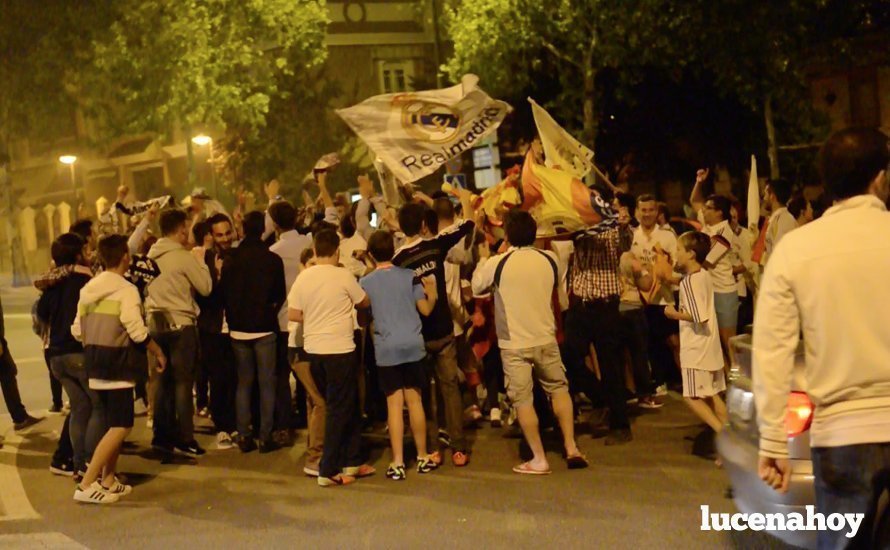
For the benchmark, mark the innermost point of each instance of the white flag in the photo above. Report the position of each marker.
(753, 198)
(561, 150)
(416, 133)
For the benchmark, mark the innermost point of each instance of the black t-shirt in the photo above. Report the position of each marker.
(427, 257)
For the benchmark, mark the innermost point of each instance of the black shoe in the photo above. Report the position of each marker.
(191, 449)
(56, 408)
(162, 446)
(269, 445)
(26, 423)
(62, 468)
(246, 444)
(618, 437)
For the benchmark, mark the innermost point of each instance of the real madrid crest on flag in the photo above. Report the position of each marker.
(416, 133)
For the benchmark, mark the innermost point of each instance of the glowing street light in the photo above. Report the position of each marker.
(202, 140)
(70, 160)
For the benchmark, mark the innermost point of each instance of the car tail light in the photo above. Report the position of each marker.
(799, 414)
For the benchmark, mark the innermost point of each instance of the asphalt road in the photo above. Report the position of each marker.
(644, 494)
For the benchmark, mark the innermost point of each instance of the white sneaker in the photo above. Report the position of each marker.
(224, 441)
(119, 489)
(495, 417)
(94, 494)
(661, 390)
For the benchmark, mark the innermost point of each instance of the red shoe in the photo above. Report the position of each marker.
(460, 459)
(364, 470)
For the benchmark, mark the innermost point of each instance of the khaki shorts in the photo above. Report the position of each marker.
(542, 362)
(703, 383)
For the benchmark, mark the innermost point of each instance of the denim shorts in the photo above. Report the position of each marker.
(727, 306)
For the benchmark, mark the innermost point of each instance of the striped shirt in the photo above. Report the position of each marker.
(699, 338)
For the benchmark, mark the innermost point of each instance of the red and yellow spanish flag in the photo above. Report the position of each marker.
(557, 198)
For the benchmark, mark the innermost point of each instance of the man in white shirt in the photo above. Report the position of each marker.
(649, 242)
(781, 222)
(828, 280)
(523, 280)
(743, 248)
(289, 247)
(323, 299)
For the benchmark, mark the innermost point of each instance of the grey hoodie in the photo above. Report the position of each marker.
(171, 291)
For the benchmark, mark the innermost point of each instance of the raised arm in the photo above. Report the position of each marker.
(697, 198)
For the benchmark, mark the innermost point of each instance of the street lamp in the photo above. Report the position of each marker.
(70, 160)
(202, 140)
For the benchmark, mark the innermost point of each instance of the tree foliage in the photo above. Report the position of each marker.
(196, 63)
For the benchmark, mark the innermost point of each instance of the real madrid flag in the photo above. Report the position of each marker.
(415, 133)
(561, 150)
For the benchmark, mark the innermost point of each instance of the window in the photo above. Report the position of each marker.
(486, 166)
(396, 76)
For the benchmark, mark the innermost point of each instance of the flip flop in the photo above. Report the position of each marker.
(526, 469)
(577, 462)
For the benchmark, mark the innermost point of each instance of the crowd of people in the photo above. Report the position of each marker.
(437, 313)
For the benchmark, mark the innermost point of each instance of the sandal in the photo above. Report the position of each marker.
(526, 468)
(338, 479)
(577, 462)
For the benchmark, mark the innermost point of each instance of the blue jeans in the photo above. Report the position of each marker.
(255, 359)
(851, 479)
(86, 425)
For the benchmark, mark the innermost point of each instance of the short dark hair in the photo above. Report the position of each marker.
(172, 220)
(254, 224)
(850, 159)
(66, 248)
(646, 198)
(84, 228)
(219, 217)
(722, 204)
(381, 246)
(444, 208)
(307, 254)
(664, 210)
(283, 214)
(627, 200)
(326, 243)
(698, 243)
(520, 227)
(782, 188)
(111, 250)
(431, 220)
(411, 218)
(199, 231)
(347, 226)
(797, 205)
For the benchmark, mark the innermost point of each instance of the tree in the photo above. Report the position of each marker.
(166, 64)
(514, 44)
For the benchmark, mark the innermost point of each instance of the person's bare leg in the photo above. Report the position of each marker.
(719, 408)
(106, 450)
(417, 419)
(703, 410)
(674, 343)
(725, 335)
(394, 403)
(528, 421)
(565, 414)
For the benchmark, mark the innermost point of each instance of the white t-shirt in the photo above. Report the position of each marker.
(699, 338)
(327, 296)
(347, 247)
(780, 223)
(743, 247)
(643, 247)
(723, 256)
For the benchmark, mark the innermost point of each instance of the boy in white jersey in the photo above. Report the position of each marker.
(701, 359)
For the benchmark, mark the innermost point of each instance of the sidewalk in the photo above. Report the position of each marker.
(16, 300)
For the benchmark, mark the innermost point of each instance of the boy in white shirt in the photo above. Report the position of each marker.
(322, 299)
(701, 359)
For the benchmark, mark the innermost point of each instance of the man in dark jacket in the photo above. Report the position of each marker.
(10, 387)
(253, 292)
(57, 308)
(216, 347)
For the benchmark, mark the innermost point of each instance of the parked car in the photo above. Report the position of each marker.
(738, 445)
